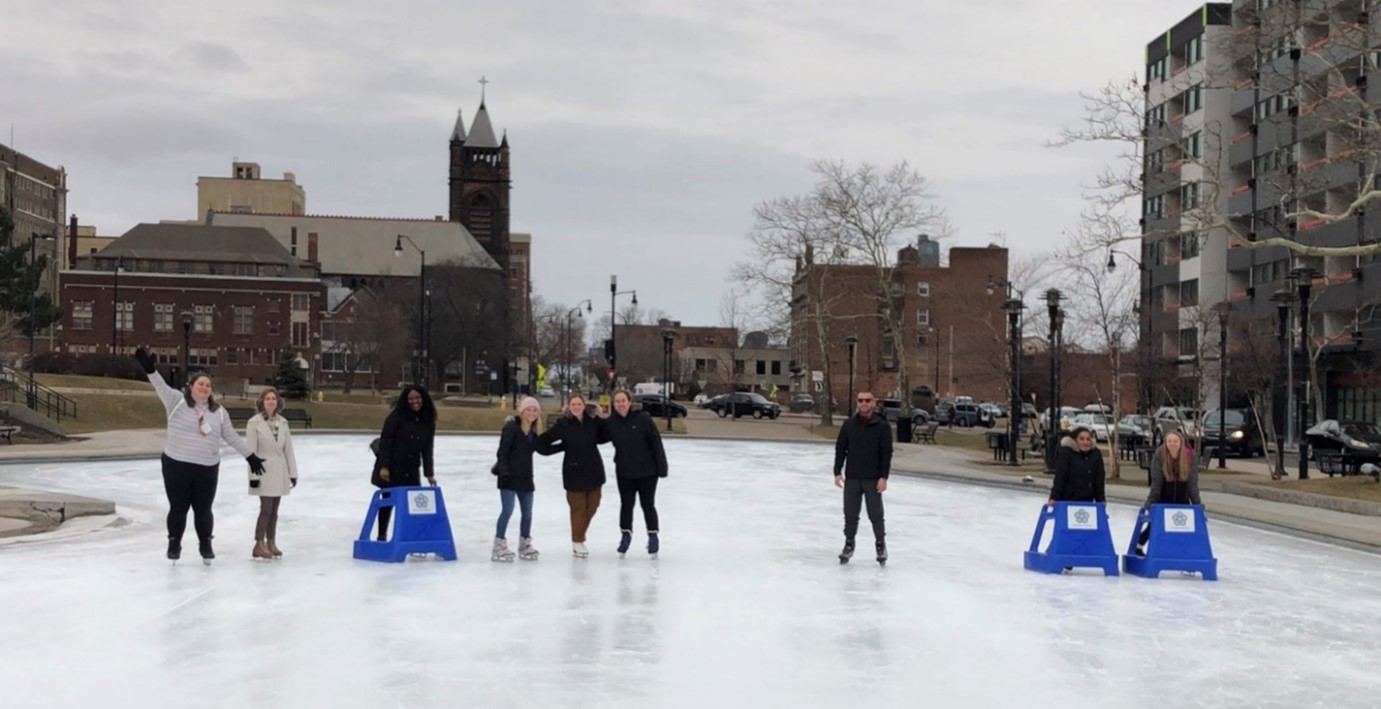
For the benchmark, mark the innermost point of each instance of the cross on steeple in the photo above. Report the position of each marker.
(483, 82)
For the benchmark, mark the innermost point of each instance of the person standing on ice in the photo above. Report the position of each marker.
(577, 435)
(862, 462)
(519, 439)
(639, 460)
(267, 434)
(197, 426)
(1079, 470)
(1174, 480)
(405, 447)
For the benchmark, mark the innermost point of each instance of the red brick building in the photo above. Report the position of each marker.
(232, 295)
(953, 333)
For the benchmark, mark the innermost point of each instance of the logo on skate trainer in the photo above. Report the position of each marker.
(1081, 516)
(420, 501)
(1179, 518)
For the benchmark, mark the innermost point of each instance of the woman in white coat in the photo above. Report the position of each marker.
(268, 436)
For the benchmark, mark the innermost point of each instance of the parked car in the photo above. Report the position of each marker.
(546, 392)
(1135, 426)
(1067, 414)
(944, 410)
(968, 414)
(891, 408)
(992, 410)
(745, 403)
(919, 417)
(657, 405)
(1355, 439)
(1099, 424)
(1235, 430)
(802, 403)
(1171, 418)
(701, 400)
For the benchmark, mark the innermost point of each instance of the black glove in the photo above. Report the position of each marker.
(494, 469)
(294, 481)
(254, 482)
(256, 464)
(662, 474)
(145, 360)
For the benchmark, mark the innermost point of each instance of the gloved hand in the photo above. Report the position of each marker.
(145, 360)
(494, 469)
(294, 481)
(256, 464)
(662, 474)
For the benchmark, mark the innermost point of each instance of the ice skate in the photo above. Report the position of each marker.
(653, 545)
(526, 551)
(174, 550)
(260, 552)
(578, 548)
(206, 553)
(625, 540)
(501, 551)
(848, 552)
(882, 552)
(272, 546)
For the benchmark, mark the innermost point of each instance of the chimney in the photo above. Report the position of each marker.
(72, 242)
(289, 177)
(311, 247)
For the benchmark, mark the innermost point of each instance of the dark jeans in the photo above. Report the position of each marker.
(506, 498)
(190, 486)
(856, 492)
(642, 490)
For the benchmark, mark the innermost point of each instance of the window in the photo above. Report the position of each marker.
(240, 209)
(1156, 115)
(204, 356)
(202, 318)
(300, 334)
(1189, 196)
(273, 327)
(1154, 207)
(1189, 293)
(328, 331)
(81, 315)
(1194, 50)
(1189, 245)
(762, 366)
(302, 301)
(923, 289)
(124, 316)
(776, 366)
(1189, 342)
(923, 317)
(273, 305)
(162, 317)
(1155, 71)
(1193, 145)
(244, 320)
(1194, 99)
(232, 355)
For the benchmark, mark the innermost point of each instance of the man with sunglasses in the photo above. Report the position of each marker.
(862, 461)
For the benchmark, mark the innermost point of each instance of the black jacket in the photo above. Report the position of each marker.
(1079, 474)
(1175, 492)
(867, 446)
(582, 467)
(405, 446)
(638, 451)
(514, 464)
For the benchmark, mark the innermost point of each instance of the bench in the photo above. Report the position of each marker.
(926, 433)
(8, 432)
(298, 416)
(239, 414)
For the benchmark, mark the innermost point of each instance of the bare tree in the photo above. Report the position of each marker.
(469, 316)
(365, 331)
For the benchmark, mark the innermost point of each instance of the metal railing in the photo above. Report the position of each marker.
(17, 388)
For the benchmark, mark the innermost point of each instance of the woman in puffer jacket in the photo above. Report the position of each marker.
(1079, 472)
(578, 435)
(521, 437)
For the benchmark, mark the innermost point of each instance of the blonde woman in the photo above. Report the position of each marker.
(1174, 479)
(518, 441)
(577, 435)
(267, 434)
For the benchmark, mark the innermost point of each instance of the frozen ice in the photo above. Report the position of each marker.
(746, 607)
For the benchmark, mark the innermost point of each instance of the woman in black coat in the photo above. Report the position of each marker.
(578, 434)
(519, 439)
(405, 447)
(1079, 470)
(639, 460)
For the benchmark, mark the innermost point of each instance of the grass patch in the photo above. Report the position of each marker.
(1353, 487)
(77, 381)
(961, 440)
(106, 412)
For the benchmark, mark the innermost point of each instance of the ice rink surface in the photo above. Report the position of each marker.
(747, 606)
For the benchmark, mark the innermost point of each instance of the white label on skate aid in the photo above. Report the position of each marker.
(1081, 517)
(1178, 519)
(422, 502)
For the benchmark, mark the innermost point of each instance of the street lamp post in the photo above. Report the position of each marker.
(1223, 384)
(186, 346)
(419, 370)
(33, 315)
(614, 292)
(589, 307)
(1013, 305)
(115, 304)
(852, 342)
(1284, 299)
(1052, 434)
(668, 335)
(1306, 277)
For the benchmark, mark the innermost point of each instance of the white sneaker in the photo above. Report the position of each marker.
(578, 548)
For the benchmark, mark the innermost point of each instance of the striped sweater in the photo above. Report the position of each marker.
(185, 440)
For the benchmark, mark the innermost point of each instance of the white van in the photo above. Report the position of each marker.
(650, 388)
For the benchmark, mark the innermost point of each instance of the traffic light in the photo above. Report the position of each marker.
(609, 352)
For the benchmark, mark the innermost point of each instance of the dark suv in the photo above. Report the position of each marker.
(744, 403)
(656, 405)
(1235, 430)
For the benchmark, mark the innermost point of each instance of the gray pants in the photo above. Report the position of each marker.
(855, 493)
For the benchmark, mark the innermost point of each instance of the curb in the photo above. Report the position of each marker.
(1307, 499)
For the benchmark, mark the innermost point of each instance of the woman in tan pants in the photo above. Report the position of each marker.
(577, 435)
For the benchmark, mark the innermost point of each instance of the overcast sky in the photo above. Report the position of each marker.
(643, 132)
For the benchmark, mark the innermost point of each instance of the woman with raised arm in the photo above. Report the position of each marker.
(577, 435)
(197, 426)
(268, 435)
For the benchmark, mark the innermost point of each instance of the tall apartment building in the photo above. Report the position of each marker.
(35, 195)
(246, 191)
(1188, 90)
(1300, 156)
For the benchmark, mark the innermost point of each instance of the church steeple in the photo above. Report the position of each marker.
(458, 133)
(482, 131)
(480, 183)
